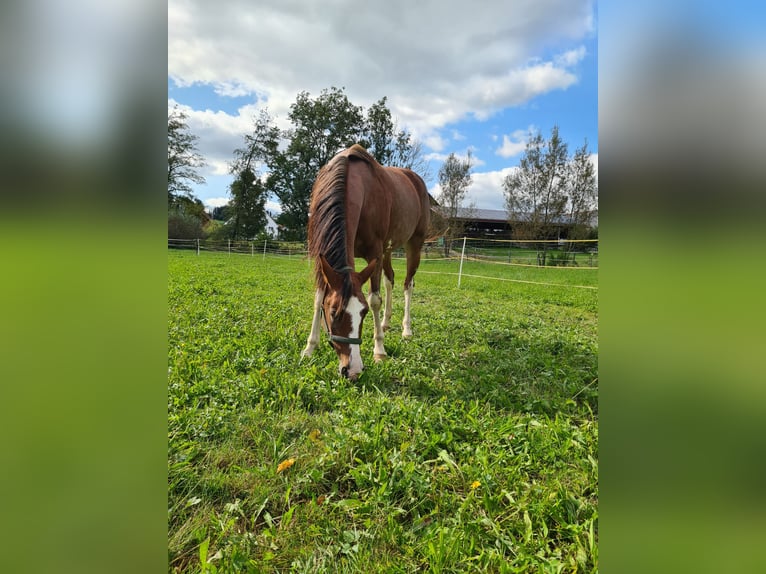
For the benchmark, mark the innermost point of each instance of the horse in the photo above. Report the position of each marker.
(359, 208)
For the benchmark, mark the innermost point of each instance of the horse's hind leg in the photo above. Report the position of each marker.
(413, 261)
(388, 272)
(313, 339)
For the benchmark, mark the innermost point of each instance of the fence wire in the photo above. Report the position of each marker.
(542, 255)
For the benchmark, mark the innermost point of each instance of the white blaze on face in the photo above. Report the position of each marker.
(354, 309)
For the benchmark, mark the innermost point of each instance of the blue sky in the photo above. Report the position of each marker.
(457, 75)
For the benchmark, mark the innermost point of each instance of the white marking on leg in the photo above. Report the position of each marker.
(313, 339)
(354, 309)
(379, 352)
(387, 311)
(406, 327)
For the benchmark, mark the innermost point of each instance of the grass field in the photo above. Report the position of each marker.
(473, 448)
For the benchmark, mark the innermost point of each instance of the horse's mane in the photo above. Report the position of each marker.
(327, 215)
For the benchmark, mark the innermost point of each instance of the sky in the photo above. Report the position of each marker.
(457, 75)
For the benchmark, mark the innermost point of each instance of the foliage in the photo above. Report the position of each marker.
(186, 219)
(320, 127)
(247, 207)
(582, 193)
(222, 212)
(390, 145)
(472, 449)
(183, 158)
(551, 191)
(535, 193)
(454, 179)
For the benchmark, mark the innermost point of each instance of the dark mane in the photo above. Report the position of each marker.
(327, 219)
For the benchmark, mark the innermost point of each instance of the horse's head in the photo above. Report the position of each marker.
(344, 307)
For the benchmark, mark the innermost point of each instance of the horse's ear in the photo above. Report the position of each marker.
(331, 276)
(365, 273)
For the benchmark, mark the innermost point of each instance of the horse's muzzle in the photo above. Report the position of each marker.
(347, 373)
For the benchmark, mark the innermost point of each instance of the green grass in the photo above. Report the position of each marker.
(473, 448)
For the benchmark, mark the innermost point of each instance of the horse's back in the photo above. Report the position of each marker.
(391, 202)
(410, 203)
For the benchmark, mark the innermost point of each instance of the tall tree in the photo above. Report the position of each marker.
(583, 193)
(183, 158)
(261, 145)
(379, 135)
(535, 194)
(247, 206)
(321, 127)
(454, 179)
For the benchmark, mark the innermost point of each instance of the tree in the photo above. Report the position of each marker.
(222, 213)
(454, 179)
(583, 193)
(247, 206)
(186, 218)
(535, 194)
(379, 137)
(321, 127)
(183, 158)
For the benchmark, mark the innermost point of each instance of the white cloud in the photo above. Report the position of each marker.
(571, 58)
(486, 191)
(515, 143)
(437, 66)
(273, 207)
(215, 201)
(398, 49)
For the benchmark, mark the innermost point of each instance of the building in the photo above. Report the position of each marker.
(494, 223)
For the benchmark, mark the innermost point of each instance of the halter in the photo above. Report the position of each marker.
(338, 338)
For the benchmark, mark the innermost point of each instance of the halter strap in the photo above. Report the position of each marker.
(347, 340)
(338, 338)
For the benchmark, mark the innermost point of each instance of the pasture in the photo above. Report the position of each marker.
(473, 448)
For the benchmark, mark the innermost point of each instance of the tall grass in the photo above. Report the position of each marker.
(473, 448)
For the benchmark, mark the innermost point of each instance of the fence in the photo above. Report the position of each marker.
(253, 248)
(575, 255)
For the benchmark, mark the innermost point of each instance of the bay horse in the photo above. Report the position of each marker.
(361, 209)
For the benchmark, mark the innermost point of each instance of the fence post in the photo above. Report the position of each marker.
(198, 246)
(460, 272)
(265, 241)
(229, 240)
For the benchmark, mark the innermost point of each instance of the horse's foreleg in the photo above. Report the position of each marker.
(379, 351)
(313, 339)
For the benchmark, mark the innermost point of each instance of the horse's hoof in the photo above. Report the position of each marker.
(306, 353)
(407, 334)
(378, 357)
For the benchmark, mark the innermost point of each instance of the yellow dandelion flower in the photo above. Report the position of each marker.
(285, 464)
(475, 484)
(314, 435)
